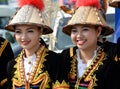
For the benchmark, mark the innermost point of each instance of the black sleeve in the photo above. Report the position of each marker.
(53, 65)
(9, 51)
(5, 56)
(10, 73)
(65, 55)
(118, 47)
(118, 62)
(113, 53)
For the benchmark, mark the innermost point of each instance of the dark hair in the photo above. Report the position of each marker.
(43, 42)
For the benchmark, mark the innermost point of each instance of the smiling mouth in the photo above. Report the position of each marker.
(25, 42)
(81, 42)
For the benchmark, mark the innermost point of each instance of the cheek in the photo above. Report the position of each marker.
(87, 33)
(35, 37)
(73, 38)
(93, 38)
(18, 38)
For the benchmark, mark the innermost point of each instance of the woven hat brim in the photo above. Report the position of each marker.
(46, 29)
(106, 30)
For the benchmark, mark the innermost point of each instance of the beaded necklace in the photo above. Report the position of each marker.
(33, 70)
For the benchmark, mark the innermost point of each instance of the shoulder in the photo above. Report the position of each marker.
(69, 52)
(2, 39)
(6, 51)
(109, 45)
(10, 66)
(118, 47)
(51, 55)
(110, 49)
(69, 49)
(11, 63)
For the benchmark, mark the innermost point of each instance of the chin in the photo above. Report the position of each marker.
(81, 47)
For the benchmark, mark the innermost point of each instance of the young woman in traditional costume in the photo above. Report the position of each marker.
(90, 64)
(36, 67)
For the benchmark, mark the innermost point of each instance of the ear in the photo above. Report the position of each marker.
(41, 31)
(14, 35)
(99, 30)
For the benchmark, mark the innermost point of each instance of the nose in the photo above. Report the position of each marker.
(79, 34)
(23, 36)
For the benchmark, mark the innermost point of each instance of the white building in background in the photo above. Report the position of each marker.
(110, 18)
(13, 3)
(6, 12)
(110, 10)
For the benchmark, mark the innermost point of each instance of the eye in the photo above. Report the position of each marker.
(17, 31)
(74, 30)
(86, 29)
(30, 30)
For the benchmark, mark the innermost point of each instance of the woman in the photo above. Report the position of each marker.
(6, 54)
(35, 67)
(90, 64)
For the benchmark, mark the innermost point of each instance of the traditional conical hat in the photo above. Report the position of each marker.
(88, 15)
(30, 15)
(114, 3)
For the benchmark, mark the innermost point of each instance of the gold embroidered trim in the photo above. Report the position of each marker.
(116, 58)
(96, 62)
(3, 82)
(44, 80)
(58, 85)
(37, 75)
(40, 66)
(87, 74)
(3, 46)
(73, 66)
(71, 52)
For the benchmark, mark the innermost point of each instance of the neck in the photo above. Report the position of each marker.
(86, 55)
(30, 52)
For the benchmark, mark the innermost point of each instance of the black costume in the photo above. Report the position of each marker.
(46, 72)
(6, 54)
(103, 72)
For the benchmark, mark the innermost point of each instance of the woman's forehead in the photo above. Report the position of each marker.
(82, 26)
(25, 26)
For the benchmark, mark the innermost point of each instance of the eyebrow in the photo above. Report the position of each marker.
(81, 26)
(26, 29)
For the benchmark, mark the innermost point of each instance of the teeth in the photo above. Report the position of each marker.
(80, 40)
